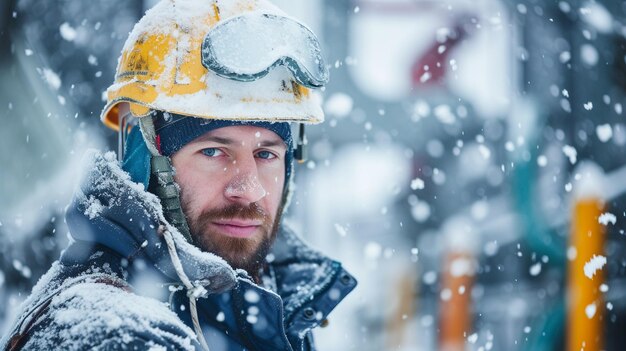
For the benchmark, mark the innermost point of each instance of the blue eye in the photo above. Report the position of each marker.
(266, 155)
(211, 152)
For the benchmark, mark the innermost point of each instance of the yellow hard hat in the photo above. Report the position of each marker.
(188, 57)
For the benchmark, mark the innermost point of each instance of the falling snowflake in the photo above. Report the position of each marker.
(596, 263)
(604, 132)
(571, 153)
(535, 269)
(590, 310)
(472, 338)
(417, 183)
(607, 218)
(67, 32)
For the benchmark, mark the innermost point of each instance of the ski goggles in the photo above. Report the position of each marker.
(248, 47)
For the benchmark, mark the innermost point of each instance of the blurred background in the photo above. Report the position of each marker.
(471, 171)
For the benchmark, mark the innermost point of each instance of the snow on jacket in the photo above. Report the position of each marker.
(115, 286)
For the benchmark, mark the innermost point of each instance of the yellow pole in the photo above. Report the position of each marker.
(586, 304)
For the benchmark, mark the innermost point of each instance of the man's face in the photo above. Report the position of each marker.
(231, 183)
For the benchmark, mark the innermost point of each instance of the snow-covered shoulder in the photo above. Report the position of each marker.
(93, 315)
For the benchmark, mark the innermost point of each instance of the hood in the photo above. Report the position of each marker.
(110, 209)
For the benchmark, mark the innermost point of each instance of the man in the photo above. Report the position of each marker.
(182, 247)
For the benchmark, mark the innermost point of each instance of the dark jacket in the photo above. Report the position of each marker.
(115, 287)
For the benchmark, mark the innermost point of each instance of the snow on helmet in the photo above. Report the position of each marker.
(228, 60)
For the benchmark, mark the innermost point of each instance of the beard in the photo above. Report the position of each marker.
(241, 253)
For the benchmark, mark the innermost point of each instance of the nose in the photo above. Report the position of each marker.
(244, 186)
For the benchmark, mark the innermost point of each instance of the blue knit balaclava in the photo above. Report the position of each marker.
(173, 132)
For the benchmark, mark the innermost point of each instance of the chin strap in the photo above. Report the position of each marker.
(162, 181)
(167, 190)
(162, 185)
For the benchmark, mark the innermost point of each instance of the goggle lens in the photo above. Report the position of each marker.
(247, 47)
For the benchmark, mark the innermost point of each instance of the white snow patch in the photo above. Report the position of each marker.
(588, 106)
(67, 32)
(252, 296)
(542, 161)
(589, 54)
(535, 269)
(94, 207)
(571, 153)
(51, 78)
(155, 347)
(607, 218)
(461, 266)
(420, 211)
(604, 132)
(572, 253)
(92, 60)
(596, 15)
(97, 308)
(473, 338)
(568, 187)
(590, 181)
(334, 294)
(444, 114)
(429, 277)
(590, 310)
(417, 183)
(596, 263)
(446, 294)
